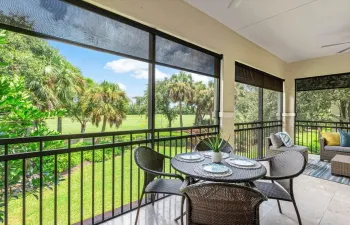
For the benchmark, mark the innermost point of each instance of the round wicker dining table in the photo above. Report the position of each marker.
(239, 175)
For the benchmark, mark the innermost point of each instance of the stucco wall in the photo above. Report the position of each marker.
(186, 22)
(308, 68)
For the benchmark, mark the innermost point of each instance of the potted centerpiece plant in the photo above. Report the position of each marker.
(216, 143)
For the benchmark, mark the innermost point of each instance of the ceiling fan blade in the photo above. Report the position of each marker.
(342, 43)
(344, 50)
(234, 3)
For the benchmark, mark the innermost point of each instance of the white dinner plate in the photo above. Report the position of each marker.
(190, 156)
(241, 162)
(215, 168)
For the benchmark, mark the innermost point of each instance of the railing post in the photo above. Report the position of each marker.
(261, 123)
(151, 88)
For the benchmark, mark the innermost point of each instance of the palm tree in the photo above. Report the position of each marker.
(81, 107)
(203, 101)
(111, 105)
(180, 90)
(66, 81)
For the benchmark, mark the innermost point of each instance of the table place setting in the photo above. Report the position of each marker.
(243, 163)
(213, 170)
(190, 157)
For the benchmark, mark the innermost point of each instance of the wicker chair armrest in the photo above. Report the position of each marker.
(185, 184)
(322, 141)
(167, 157)
(264, 159)
(275, 177)
(163, 174)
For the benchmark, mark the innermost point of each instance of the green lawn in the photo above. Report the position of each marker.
(130, 181)
(132, 122)
(310, 139)
(122, 187)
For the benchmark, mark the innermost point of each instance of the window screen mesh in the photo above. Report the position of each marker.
(64, 21)
(175, 54)
(323, 82)
(248, 75)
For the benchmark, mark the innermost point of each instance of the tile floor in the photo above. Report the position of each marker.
(319, 201)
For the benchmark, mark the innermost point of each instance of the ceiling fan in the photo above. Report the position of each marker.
(234, 3)
(342, 43)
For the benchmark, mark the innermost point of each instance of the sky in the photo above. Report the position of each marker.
(131, 75)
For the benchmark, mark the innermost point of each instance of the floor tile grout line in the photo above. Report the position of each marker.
(272, 207)
(326, 208)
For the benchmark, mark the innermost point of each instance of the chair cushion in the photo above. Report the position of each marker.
(332, 138)
(337, 148)
(344, 138)
(276, 140)
(272, 190)
(166, 186)
(286, 139)
(294, 148)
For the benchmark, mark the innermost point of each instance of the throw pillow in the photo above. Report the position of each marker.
(286, 139)
(276, 140)
(332, 138)
(344, 138)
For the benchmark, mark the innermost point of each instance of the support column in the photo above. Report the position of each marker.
(227, 98)
(288, 115)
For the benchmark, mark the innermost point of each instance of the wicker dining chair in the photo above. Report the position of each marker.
(284, 167)
(214, 203)
(202, 146)
(152, 163)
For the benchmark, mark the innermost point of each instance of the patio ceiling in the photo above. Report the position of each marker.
(293, 30)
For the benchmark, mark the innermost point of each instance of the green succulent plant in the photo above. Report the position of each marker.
(217, 142)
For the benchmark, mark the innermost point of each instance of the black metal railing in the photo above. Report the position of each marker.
(250, 137)
(307, 132)
(82, 178)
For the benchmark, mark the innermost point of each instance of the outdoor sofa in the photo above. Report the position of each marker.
(272, 151)
(328, 152)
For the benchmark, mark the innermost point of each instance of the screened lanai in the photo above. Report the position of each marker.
(101, 101)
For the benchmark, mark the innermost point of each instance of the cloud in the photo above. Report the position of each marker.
(122, 86)
(197, 78)
(140, 74)
(126, 65)
(143, 74)
(160, 75)
(138, 69)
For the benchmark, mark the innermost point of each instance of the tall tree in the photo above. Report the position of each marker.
(203, 101)
(246, 103)
(81, 107)
(180, 90)
(111, 105)
(49, 77)
(66, 81)
(163, 102)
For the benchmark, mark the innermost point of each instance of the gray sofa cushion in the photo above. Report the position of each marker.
(276, 141)
(337, 148)
(294, 148)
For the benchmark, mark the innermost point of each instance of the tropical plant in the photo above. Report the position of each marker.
(111, 105)
(203, 101)
(82, 106)
(163, 102)
(17, 111)
(48, 76)
(180, 90)
(66, 82)
(217, 142)
(16, 120)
